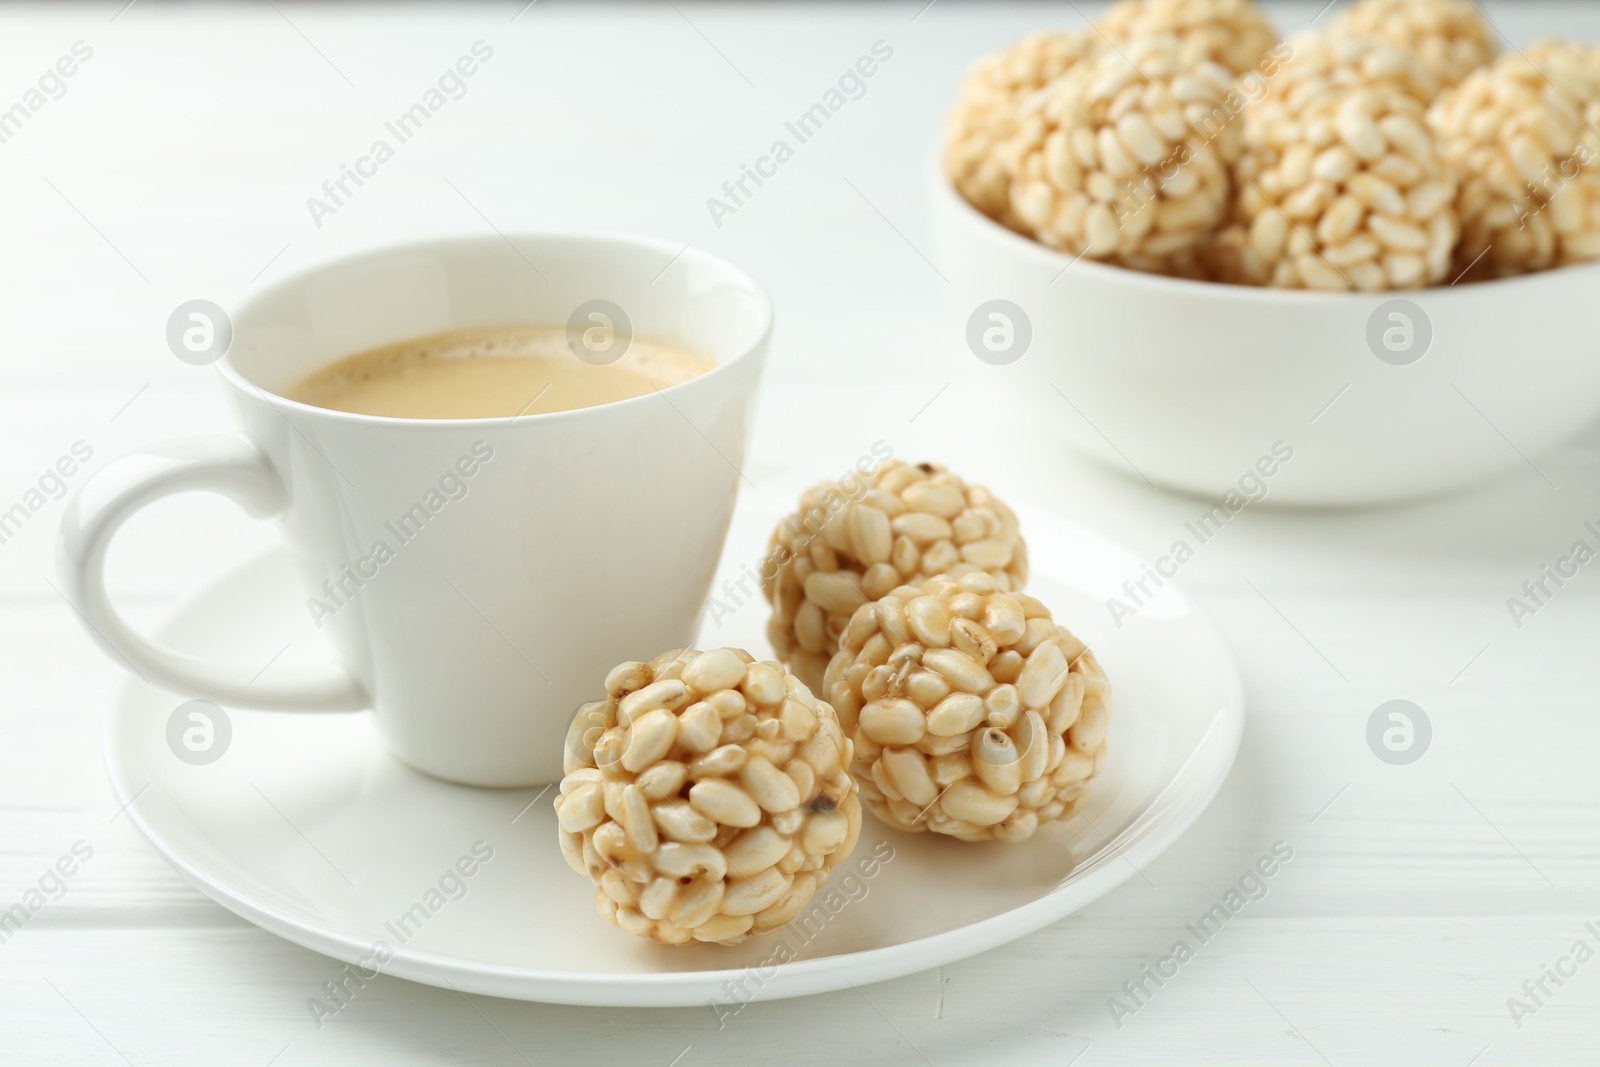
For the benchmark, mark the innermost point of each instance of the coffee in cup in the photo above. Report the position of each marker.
(492, 373)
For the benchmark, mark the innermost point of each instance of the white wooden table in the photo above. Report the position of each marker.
(177, 164)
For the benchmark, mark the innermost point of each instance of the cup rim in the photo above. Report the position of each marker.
(671, 252)
(1159, 283)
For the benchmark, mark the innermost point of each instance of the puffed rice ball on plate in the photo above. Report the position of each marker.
(842, 549)
(973, 713)
(1449, 37)
(707, 796)
(1233, 33)
(1347, 190)
(986, 112)
(1125, 157)
(1522, 135)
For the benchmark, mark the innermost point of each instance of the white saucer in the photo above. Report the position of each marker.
(308, 828)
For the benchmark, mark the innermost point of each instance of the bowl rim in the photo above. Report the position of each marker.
(1106, 273)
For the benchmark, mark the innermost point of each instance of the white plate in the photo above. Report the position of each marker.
(308, 828)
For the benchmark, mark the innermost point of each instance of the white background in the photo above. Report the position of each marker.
(177, 166)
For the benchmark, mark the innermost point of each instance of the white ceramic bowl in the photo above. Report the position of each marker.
(1193, 385)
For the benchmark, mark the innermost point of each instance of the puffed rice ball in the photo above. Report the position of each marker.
(1449, 37)
(973, 714)
(986, 111)
(1232, 33)
(1522, 135)
(1125, 157)
(1347, 190)
(842, 549)
(1321, 63)
(707, 796)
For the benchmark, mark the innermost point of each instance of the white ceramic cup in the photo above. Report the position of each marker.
(523, 557)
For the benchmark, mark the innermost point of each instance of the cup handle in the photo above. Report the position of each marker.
(233, 467)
